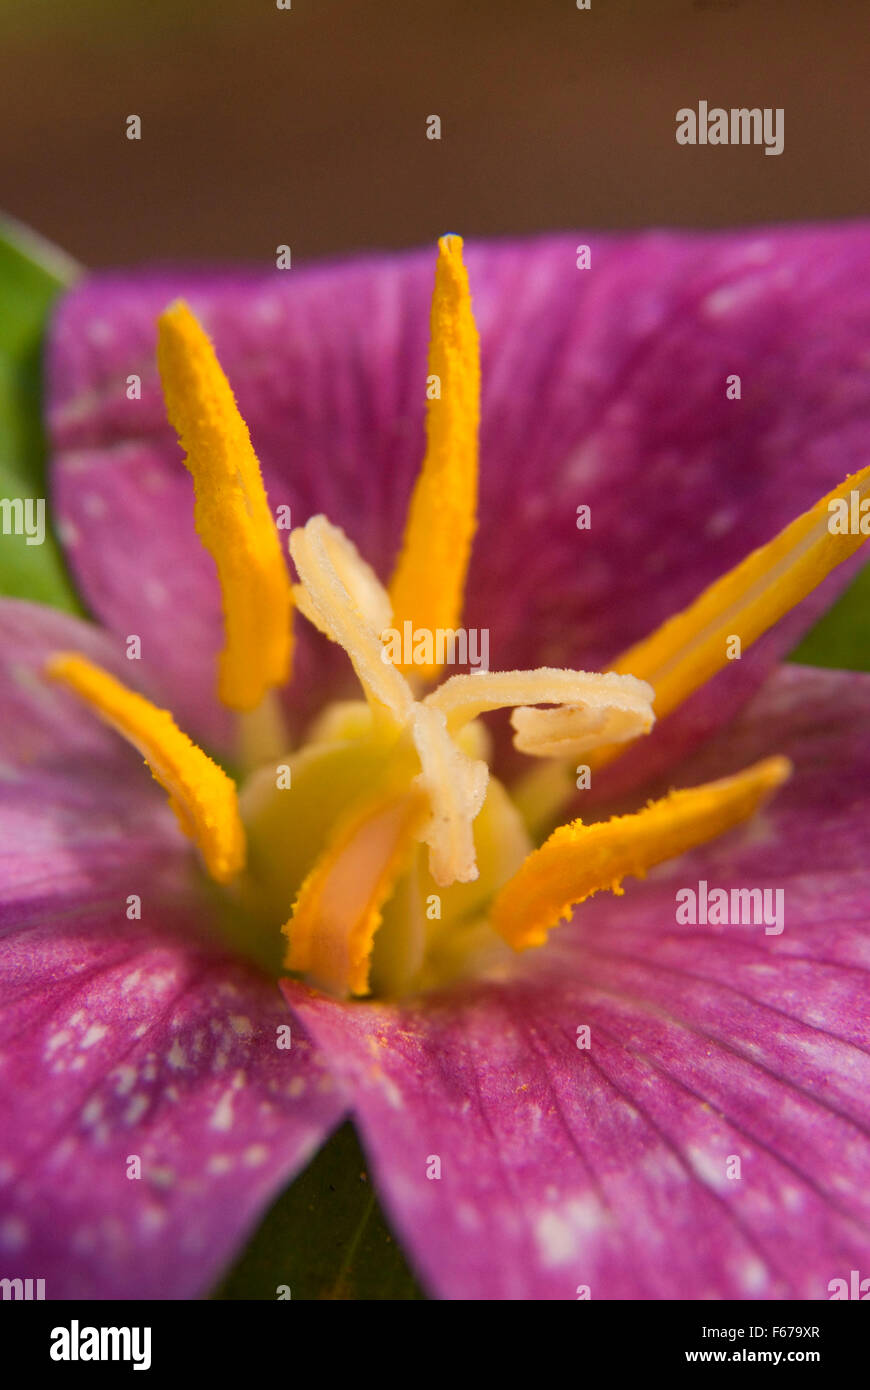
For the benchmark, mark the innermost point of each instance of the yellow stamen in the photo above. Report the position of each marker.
(232, 514)
(427, 586)
(691, 647)
(340, 904)
(201, 794)
(579, 860)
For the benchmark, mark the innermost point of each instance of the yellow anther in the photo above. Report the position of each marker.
(579, 860)
(428, 584)
(232, 514)
(201, 794)
(339, 907)
(691, 647)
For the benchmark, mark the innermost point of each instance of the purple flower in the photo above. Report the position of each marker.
(648, 1106)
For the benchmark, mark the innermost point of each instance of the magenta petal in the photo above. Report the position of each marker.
(603, 387)
(608, 1167)
(121, 1041)
(120, 1038)
(80, 814)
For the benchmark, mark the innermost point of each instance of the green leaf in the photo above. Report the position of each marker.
(324, 1238)
(32, 274)
(842, 637)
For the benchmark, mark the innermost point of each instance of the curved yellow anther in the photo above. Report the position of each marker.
(691, 647)
(579, 860)
(201, 794)
(232, 514)
(429, 580)
(340, 904)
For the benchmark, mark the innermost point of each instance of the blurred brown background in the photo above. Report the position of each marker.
(308, 126)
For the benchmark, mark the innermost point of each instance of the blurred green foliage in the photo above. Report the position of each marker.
(32, 274)
(324, 1238)
(842, 637)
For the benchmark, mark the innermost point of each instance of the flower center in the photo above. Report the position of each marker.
(383, 856)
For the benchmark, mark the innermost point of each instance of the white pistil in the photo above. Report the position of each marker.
(342, 596)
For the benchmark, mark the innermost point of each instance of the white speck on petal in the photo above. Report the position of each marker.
(559, 1232)
(92, 1112)
(709, 1169)
(136, 1109)
(124, 1078)
(752, 1274)
(57, 1040)
(255, 1154)
(222, 1115)
(556, 1240)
